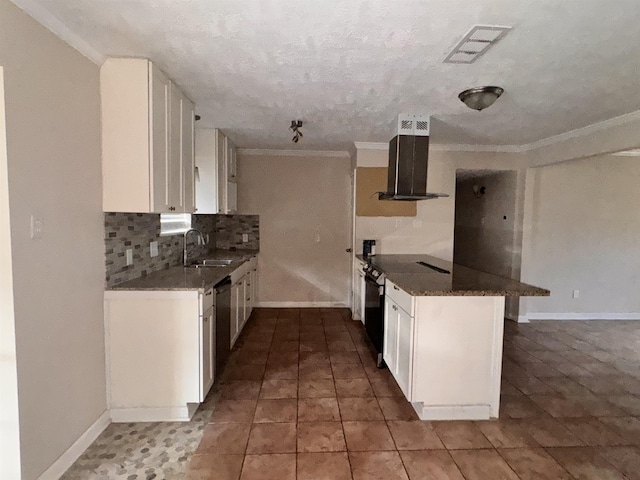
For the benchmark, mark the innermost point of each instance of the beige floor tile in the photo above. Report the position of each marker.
(320, 437)
(592, 431)
(585, 463)
(225, 438)
(348, 370)
(240, 390)
(461, 435)
(397, 408)
(213, 466)
(315, 371)
(414, 435)
(353, 387)
(549, 432)
(430, 465)
(276, 410)
(318, 410)
(310, 358)
(534, 464)
(272, 438)
(247, 372)
(230, 410)
(344, 358)
(386, 387)
(269, 467)
(324, 466)
(506, 433)
(377, 466)
(276, 388)
(628, 427)
(316, 388)
(483, 465)
(625, 459)
(367, 436)
(360, 409)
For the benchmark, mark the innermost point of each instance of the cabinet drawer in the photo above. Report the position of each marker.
(207, 300)
(402, 298)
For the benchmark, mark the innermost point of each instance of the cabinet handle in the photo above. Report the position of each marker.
(205, 319)
(395, 288)
(208, 293)
(394, 307)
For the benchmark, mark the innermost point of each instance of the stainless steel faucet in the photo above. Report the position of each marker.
(200, 239)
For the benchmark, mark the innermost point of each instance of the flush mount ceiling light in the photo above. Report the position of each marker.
(295, 128)
(479, 98)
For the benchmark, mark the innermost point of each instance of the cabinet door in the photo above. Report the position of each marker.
(232, 197)
(233, 328)
(174, 186)
(188, 156)
(231, 161)
(159, 104)
(222, 171)
(207, 352)
(390, 343)
(404, 359)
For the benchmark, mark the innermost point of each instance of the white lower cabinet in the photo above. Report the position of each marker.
(398, 344)
(160, 349)
(243, 294)
(445, 352)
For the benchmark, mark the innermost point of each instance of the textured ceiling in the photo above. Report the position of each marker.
(348, 68)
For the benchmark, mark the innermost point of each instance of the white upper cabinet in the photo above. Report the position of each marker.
(215, 162)
(147, 140)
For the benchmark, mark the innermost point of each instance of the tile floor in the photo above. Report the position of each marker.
(301, 398)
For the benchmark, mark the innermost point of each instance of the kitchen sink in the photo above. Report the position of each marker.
(224, 262)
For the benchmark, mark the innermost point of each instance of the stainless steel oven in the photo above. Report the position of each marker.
(374, 309)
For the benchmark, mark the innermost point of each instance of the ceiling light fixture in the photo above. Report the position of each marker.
(295, 127)
(479, 98)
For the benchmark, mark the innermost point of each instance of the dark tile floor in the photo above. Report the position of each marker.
(302, 399)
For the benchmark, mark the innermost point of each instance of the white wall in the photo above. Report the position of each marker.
(304, 205)
(53, 139)
(9, 413)
(582, 231)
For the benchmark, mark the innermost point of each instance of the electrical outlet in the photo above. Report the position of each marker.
(576, 294)
(245, 237)
(129, 256)
(37, 227)
(153, 247)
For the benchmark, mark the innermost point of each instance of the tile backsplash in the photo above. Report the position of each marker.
(138, 230)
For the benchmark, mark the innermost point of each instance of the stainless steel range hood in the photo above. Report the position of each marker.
(409, 160)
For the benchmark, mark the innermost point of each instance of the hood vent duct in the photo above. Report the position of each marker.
(408, 161)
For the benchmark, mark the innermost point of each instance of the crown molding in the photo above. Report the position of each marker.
(628, 153)
(446, 147)
(44, 17)
(294, 153)
(371, 145)
(583, 131)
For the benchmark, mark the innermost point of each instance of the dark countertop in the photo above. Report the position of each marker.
(418, 280)
(181, 278)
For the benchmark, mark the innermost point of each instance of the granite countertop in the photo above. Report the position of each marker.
(181, 278)
(418, 280)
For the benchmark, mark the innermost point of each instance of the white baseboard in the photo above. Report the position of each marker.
(301, 305)
(578, 316)
(452, 412)
(62, 464)
(154, 414)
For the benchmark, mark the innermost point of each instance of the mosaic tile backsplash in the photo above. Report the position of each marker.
(138, 230)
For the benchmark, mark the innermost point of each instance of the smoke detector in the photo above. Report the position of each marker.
(476, 42)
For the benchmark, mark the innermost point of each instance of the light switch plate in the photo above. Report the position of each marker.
(129, 256)
(37, 227)
(245, 237)
(153, 247)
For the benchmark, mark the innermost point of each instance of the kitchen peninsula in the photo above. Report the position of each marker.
(443, 334)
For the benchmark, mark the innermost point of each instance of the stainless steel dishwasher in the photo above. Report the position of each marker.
(223, 323)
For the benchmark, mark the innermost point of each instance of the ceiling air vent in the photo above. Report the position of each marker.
(476, 42)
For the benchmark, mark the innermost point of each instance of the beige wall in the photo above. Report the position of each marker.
(53, 138)
(431, 230)
(304, 205)
(485, 224)
(582, 231)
